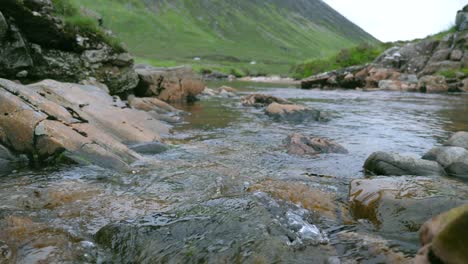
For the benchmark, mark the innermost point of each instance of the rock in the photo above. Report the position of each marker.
(379, 74)
(49, 120)
(301, 145)
(456, 55)
(464, 88)
(445, 237)
(382, 163)
(93, 82)
(316, 81)
(434, 67)
(459, 139)
(262, 100)
(6, 160)
(433, 84)
(151, 148)
(292, 112)
(40, 45)
(396, 85)
(3, 26)
(227, 89)
(239, 226)
(178, 84)
(151, 104)
(454, 160)
(402, 204)
(462, 20)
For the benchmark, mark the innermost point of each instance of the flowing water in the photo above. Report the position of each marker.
(226, 190)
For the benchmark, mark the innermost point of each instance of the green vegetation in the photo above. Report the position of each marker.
(362, 54)
(75, 21)
(453, 73)
(227, 36)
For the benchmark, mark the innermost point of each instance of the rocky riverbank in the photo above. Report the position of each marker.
(431, 65)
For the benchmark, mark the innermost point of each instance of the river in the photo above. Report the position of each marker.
(226, 190)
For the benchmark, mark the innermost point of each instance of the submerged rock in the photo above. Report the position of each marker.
(178, 84)
(292, 112)
(49, 120)
(262, 100)
(403, 204)
(391, 164)
(445, 237)
(301, 145)
(453, 159)
(221, 230)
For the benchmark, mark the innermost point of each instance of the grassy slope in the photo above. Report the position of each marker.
(226, 33)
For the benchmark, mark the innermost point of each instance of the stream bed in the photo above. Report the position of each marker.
(226, 191)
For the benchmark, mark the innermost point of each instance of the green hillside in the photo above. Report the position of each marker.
(228, 34)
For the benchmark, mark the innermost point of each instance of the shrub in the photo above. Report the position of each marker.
(76, 22)
(361, 54)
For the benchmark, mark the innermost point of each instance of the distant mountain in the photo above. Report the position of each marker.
(229, 32)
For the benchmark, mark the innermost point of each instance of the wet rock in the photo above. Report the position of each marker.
(151, 148)
(459, 139)
(222, 230)
(292, 112)
(403, 204)
(301, 145)
(391, 164)
(50, 120)
(227, 89)
(179, 84)
(453, 159)
(444, 237)
(6, 254)
(262, 100)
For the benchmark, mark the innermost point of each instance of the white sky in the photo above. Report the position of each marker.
(391, 20)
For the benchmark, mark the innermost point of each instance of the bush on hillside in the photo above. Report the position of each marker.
(361, 54)
(76, 22)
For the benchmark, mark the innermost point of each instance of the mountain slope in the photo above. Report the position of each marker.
(229, 32)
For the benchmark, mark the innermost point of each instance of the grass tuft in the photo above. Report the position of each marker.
(81, 24)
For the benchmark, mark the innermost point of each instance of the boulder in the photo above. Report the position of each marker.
(36, 44)
(462, 20)
(50, 120)
(433, 84)
(397, 85)
(292, 112)
(459, 139)
(402, 204)
(391, 164)
(453, 159)
(379, 74)
(444, 237)
(262, 100)
(178, 84)
(150, 148)
(301, 145)
(227, 89)
(456, 55)
(446, 65)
